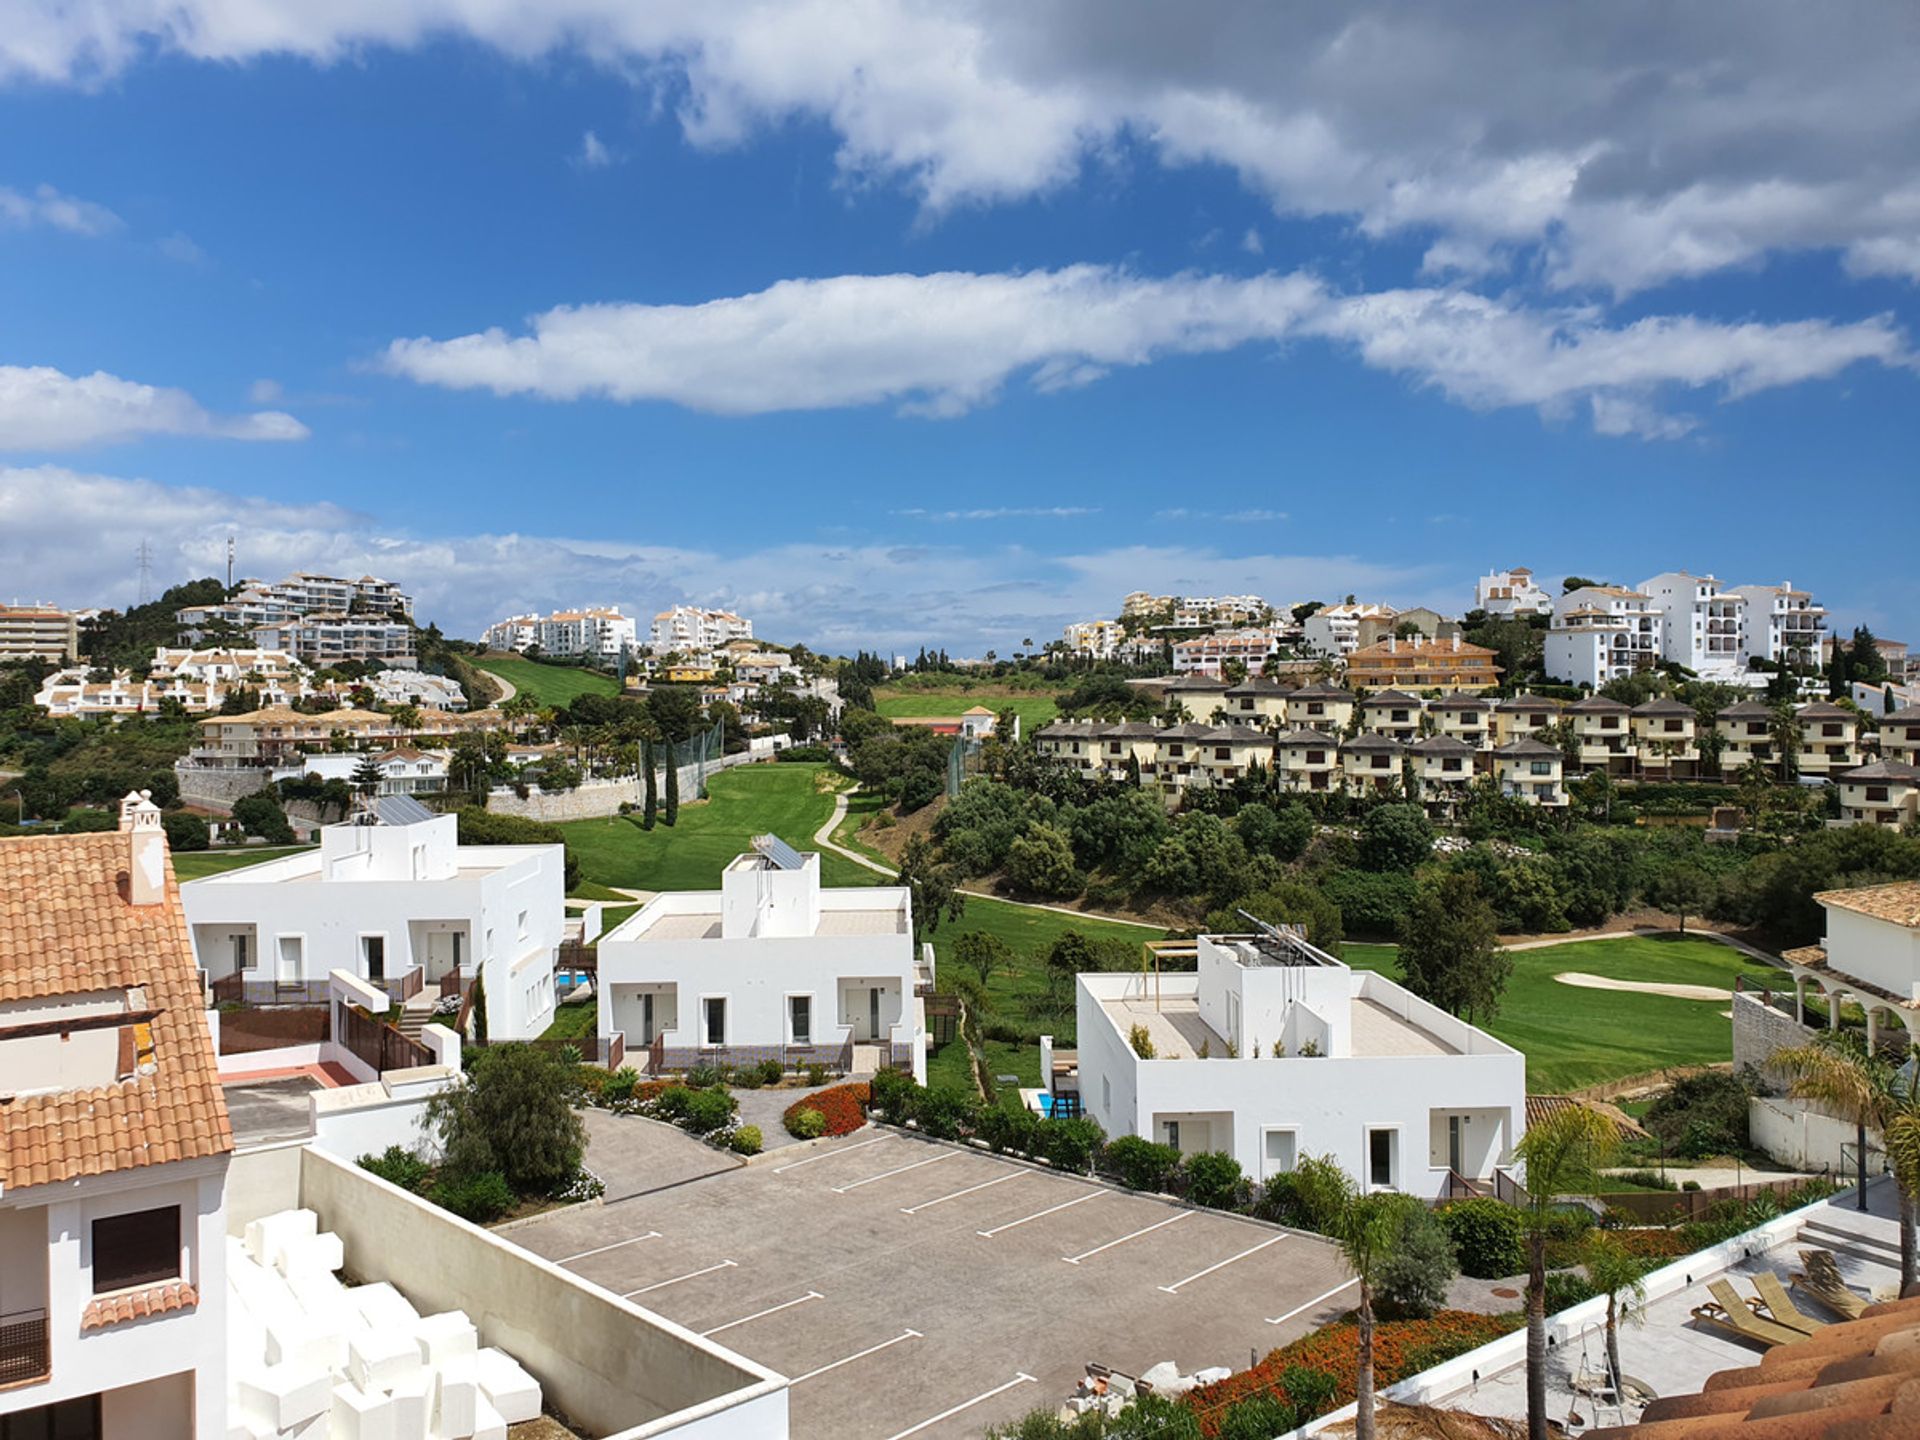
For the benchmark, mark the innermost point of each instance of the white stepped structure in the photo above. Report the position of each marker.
(311, 1358)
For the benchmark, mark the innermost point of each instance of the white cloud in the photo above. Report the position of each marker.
(266, 392)
(43, 409)
(1643, 144)
(180, 248)
(47, 206)
(1252, 243)
(1002, 512)
(593, 153)
(1233, 517)
(943, 344)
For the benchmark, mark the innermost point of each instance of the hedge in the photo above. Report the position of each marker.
(844, 1107)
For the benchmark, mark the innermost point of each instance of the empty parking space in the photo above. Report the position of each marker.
(912, 1288)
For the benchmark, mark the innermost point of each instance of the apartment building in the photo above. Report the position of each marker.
(1393, 713)
(1372, 765)
(258, 603)
(403, 770)
(1443, 770)
(692, 631)
(1421, 664)
(114, 1147)
(1077, 744)
(1094, 639)
(38, 632)
(395, 899)
(334, 638)
(1335, 629)
(1522, 716)
(1601, 633)
(1703, 626)
(598, 632)
(1666, 739)
(1258, 700)
(1783, 625)
(1603, 730)
(1900, 735)
(198, 680)
(1200, 697)
(1211, 654)
(1829, 740)
(1270, 1050)
(1179, 755)
(1530, 771)
(1307, 760)
(277, 735)
(1229, 752)
(1511, 592)
(1466, 718)
(416, 687)
(771, 966)
(1885, 792)
(1321, 706)
(1143, 605)
(1746, 737)
(1418, 621)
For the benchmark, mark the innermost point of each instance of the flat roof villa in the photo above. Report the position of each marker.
(1271, 1049)
(771, 966)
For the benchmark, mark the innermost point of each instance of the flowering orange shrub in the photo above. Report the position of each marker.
(844, 1106)
(1400, 1348)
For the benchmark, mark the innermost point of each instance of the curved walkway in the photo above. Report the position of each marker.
(824, 837)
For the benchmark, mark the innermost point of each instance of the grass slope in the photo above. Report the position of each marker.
(553, 685)
(1034, 710)
(1574, 1037)
(193, 864)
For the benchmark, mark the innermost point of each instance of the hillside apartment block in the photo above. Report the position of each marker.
(1270, 1050)
(1606, 632)
(38, 632)
(114, 1147)
(695, 634)
(1511, 592)
(201, 680)
(322, 619)
(598, 632)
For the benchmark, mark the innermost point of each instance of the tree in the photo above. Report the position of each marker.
(1562, 1153)
(1448, 950)
(650, 813)
(1367, 1231)
(1577, 582)
(1395, 837)
(185, 831)
(1042, 861)
(511, 1112)
(1421, 1267)
(260, 814)
(981, 952)
(366, 776)
(1067, 957)
(1685, 889)
(1615, 1273)
(1287, 902)
(933, 890)
(670, 812)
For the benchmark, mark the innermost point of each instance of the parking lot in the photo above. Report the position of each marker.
(912, 1288)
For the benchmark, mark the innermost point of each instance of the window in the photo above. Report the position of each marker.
(1449, 764)
(140, 1248)
(1277, 1152)
(1540, 767)
(1380, 1147)
(714, 1014)
(64, 1420)
(1170, 1133)
(800, 1018)
(373, 950)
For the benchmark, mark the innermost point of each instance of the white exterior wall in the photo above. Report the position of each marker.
(1876, 951)
(177, 1360)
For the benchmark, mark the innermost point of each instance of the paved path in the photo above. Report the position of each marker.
(824, 836)
(636, 1156)
(765, 1107)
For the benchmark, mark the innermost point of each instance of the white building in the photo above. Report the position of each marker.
(417, 688)
(1601, 633)
(1272, 1050)
(770, 966)
(1210, 654)
(691, 631)
(1703, 626)
(1511, 592)
(1335, 629)
(114, 1147)
(43, 632)
(403, 771)
(1784, 625)
(399, 904)
(601, 632)
(1095, 639)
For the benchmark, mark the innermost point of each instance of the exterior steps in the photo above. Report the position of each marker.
(415, 1015)
(1843, 1240)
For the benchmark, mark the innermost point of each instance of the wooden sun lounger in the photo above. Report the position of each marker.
(1780, 1306)
(1731, 1314)
(1822, 1280)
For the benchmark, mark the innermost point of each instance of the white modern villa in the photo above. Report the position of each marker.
(1271, 1049)
(393, 898)
(769, 966)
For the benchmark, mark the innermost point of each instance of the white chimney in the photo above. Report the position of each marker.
(146, 848)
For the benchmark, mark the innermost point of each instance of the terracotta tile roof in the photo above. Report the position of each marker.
(139, 1304)
(66, 928)
(1855, 1380)
(1811, 956)
(1898, 902)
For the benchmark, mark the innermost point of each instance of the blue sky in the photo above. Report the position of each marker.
(888, 323)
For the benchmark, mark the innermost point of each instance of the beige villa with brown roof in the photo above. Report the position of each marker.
(1871, 956)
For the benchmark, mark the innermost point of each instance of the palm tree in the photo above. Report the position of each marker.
(1562, 1154)
(1616, 1274)
(1366, 1232)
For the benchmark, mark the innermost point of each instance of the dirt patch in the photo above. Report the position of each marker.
(1586, 981)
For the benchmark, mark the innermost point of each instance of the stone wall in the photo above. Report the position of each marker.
(593, 799)
(1759, 1030)
(216, 789)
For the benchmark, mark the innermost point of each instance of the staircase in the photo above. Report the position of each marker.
(1832, 1231)
(416, 1014)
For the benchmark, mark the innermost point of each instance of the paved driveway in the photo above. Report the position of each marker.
(636, 1156)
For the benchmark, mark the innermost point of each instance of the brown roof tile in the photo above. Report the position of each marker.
(138, 1304)
(1898, 902)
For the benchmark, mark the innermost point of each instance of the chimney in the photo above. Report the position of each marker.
(146, 848)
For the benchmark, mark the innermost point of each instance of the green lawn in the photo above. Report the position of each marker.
(1033, 710)
(1574, 1037)
(751, 800)
(554, 685)
(193, 864)
(571, 1022)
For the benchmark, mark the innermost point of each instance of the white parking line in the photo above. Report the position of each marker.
(1282, 1319)
(1021, 1379)
(770, 1310)
(1157, 1225)
(983, 1185)
(690, 1275)
(861, 1355)
(829, 1154)
(602, 1249)
(1041, 1214)
(1174, 1289)
(901, 1170)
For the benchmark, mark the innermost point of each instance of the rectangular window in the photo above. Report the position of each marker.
(1380, 1157)
(714, 1015)
(1449, 764)
(800, 1018)
(63, 1420)
(1541, 767)
(1278, 1152)
(139, 1248)
(373, 949)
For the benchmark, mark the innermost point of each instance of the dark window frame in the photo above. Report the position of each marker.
(133, 1249)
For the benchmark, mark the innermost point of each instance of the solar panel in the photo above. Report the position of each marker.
(400, 810)
(779, 852)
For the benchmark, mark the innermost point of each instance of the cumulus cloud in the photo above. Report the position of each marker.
(943, 344)
(44, 409)
(1002, 512)
(593, 153)
(1642, 144)
(47, 206)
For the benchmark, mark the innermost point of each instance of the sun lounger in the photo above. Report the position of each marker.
(1731, 1315)
(1780, 1306)
(1822, 1280)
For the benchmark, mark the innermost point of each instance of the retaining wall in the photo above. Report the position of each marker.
(218, 789)
(1759, 1030)
(592, 799)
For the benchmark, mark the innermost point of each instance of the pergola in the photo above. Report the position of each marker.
(1808, 964)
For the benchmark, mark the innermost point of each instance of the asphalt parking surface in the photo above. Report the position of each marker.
(908, 1287)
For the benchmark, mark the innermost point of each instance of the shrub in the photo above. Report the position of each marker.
(747, 1077)
(745, 1140)
(1141, 1042)
(1005, 1129)
(1486, 1238)
(1415, 1279)
(185, 831)
(673, 1104)
(946, 1114)
(398, 1167)
(478, 1197)
(1140, 1164)
(1213, 1179)
(816, 1074)
(512, 1113)
(1702, 1115)
(1068, 1145)
(805, 1124)
(770, 1072)
(708, 1111)
(619, 1085)
(842, 1108)
(1308, 1197)
(895, 1092)
(585, 1185)
(706, 1077)
(1567, 1288)
(1258, 1417)
(1645, 1179)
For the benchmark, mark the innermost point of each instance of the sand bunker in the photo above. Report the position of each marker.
(1645, 987)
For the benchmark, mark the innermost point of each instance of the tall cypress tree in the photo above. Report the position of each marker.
(673, 790)
(653, 786)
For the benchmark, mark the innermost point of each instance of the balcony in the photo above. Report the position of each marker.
(24, 1353)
